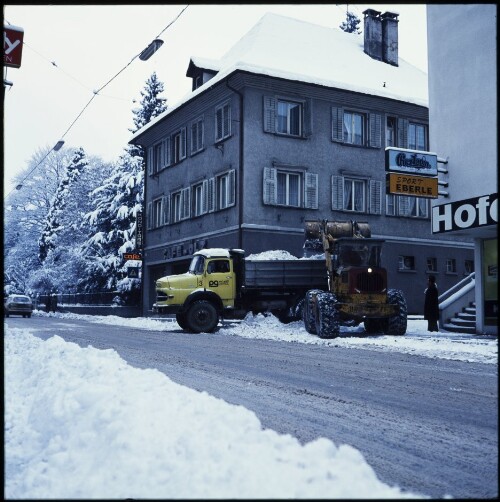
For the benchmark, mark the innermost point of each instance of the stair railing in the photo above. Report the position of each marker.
(461, 295)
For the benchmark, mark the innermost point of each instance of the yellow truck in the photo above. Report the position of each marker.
(221, 283)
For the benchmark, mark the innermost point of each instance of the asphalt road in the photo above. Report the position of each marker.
(429, 426)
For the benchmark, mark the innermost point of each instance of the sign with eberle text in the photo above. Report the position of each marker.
(410, 161)
(415, 186)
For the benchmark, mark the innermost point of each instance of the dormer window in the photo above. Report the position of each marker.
(197, 82)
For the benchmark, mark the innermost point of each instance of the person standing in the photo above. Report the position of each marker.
(431, 305)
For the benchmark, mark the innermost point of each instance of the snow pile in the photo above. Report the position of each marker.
(81, 423)
(277, 254)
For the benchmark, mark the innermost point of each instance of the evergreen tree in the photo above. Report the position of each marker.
(117, 202)
(53, 225)
(351, 24)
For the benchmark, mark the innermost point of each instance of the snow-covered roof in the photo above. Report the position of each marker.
(283, 47)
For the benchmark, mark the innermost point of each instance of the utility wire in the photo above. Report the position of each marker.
(96, 92)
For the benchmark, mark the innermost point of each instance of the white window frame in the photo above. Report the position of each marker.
(289, 104)
(225, 189)
(307, 189)
(157, 212)
(407, 206)
(350, 204)
(199, 197)
(431, 264)
(197, 135)
(413, 130)
(349, 137)
(451, 266)
(284, 180)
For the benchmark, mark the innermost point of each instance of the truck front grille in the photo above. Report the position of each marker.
(370, 283)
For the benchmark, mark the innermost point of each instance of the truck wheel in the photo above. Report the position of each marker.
(202, 317)
(396, 325)
(181, 320)
(309, 311)
(327, 316)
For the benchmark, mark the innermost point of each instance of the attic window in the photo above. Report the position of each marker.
(198, 81)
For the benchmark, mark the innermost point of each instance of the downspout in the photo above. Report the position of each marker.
(241, 177)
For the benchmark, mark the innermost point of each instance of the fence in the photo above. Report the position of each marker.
(101, 298)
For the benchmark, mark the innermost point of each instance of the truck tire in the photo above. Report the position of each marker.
(310, 311)
(327, 316)
(181, 320)
(202, 317)
(396, 325)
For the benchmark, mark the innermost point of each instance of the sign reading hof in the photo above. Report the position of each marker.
(468, 213)
(402, 160)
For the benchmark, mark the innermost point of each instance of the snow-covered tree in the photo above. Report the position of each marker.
(111, 223)
(53, 224)
(351, 24)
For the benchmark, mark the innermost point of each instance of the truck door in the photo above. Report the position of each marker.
(220, 279)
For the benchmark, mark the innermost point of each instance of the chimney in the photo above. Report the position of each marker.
(390, 38)
(373, 34)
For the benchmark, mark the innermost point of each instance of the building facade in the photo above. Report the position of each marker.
(463, 128)
(264, 143)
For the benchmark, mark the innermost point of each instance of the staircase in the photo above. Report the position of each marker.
(463, 322)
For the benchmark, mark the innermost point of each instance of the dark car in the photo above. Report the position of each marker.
(18, 304)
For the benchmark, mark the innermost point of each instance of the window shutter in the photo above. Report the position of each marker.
(227, 120)
(201, 134)
(403, 133)
(166, 209)
(375, 130)
(185, 203)
(150, 160)
(211, 195)
(232, 188)
(204, 197)
(166, 151)
(270, 185)
(183, 153)
(375, 197)
(269, 114)
(337, 193)
(337, 124)
(149, 218)
(308, 118)
(311, 191)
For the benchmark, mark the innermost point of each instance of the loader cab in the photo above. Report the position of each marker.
(356, 252)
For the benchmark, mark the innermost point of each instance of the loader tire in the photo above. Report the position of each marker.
(309, 311)
(327, 316)
(202, 317)
(397, 324)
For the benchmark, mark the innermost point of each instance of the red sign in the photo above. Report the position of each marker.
(12, 46)
(132, 256)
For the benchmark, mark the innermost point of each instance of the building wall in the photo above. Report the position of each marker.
(462, 44)
(265, 227)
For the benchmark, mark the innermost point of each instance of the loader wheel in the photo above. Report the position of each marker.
(309, 311)
(327, 316)
(396, 325)
(202, 317)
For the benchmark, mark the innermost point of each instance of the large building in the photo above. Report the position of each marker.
(462, 47)
(291, 125)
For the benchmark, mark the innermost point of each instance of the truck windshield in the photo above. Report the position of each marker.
(360, 254)
(197, 265)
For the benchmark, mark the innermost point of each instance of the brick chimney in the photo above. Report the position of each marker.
(373, 34)
(390, 38)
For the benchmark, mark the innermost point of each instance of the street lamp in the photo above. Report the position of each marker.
(150, 49)
(58, 145)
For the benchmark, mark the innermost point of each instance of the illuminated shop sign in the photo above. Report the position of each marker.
(402, 160)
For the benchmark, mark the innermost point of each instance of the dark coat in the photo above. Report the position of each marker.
(431, 305)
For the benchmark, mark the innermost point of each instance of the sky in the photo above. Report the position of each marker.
(70, 410)
(70, 51)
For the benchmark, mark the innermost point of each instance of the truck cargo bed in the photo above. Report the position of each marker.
(306, 274)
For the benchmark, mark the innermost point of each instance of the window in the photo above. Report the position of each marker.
(451, 266)
(354, 129)
(417, 137)
(178, 146)
(411, 207)
(197, 136)
(289, 118)
(390, 132)
(469, 266)
(181, 201)
(431, 265)
(222, 122)
(291, 188)
(225, 187)
(356, 195)
(406, 263)
(200, 198)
